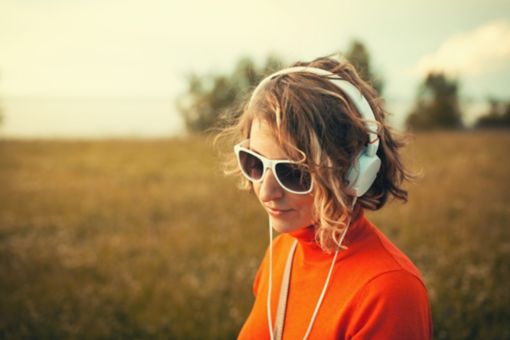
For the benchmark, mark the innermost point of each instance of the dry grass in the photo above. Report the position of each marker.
(146, 239)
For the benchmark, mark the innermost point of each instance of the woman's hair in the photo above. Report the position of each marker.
(311, 117)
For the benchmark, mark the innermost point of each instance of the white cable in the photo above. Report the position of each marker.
(269, 319)
(319, 302)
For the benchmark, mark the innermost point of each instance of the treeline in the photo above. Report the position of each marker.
(498, 115)
(436, 105)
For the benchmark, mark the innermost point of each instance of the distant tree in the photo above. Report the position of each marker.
(436, 105)
(207, 97)
(498, 115)
(359, 56)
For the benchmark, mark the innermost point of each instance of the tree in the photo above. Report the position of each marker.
(436, 105)
(498, 115)
(359, 56)
(207, 97)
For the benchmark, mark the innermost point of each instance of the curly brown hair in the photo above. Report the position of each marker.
(312, 117)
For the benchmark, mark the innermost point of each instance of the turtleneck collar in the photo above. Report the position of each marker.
(311, 251)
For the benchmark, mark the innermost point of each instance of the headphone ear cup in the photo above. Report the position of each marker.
(362, 174)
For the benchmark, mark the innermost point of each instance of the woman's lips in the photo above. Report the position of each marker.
(277, 212)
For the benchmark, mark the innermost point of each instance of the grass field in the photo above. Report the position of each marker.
(147, 239)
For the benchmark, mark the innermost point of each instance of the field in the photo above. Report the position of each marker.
(147, 238)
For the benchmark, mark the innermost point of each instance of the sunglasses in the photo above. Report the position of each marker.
(292, 176)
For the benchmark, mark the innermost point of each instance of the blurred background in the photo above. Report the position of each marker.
(115, 218)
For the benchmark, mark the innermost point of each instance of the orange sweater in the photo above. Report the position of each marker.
(375, 291)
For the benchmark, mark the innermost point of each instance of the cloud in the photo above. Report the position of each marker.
(471, 53)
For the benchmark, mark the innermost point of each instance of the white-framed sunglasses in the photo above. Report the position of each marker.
(292, 176)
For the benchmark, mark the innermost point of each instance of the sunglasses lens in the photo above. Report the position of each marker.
(294, 177)
(251, 165)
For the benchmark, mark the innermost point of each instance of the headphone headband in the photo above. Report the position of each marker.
(348, 88)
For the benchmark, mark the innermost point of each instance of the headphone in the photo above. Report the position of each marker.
(363, 171)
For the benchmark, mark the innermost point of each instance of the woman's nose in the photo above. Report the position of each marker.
(270, 189)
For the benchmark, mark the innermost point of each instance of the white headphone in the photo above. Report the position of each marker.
(363, 171)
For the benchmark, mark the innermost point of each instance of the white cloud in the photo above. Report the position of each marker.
(471, 53)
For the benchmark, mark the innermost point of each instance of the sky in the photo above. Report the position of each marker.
(131, 52)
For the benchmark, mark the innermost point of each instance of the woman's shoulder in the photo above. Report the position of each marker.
(373, 260)
(380, 255)
(388, 291)
(396, 285)
(394, 303)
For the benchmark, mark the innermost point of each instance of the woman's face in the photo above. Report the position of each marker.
(288, 212)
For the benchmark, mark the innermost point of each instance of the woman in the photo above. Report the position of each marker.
(315, 149)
